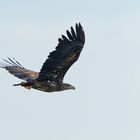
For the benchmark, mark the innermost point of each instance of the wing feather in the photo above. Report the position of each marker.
(73, 33)
(16, 69)
(64, 55)
(69, 35)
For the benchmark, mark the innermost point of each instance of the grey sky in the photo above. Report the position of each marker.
(106, 102)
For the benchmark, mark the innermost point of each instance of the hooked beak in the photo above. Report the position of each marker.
(72, 87)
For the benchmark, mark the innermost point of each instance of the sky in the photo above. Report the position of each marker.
(106, 102)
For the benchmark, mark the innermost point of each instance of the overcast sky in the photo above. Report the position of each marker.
(106, 102)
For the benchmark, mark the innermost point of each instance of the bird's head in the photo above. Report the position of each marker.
(66, 86)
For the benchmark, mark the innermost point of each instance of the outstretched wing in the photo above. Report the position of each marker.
(15, 68)
(65, 54)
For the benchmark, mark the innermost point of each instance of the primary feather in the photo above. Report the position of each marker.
(15, 68)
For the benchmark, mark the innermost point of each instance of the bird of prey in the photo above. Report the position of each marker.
(50, 78)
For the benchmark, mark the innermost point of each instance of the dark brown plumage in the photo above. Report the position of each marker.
(50, 77)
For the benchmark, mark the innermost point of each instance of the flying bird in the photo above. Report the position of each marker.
(50, 78)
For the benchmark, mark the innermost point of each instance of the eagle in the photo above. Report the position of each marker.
(50, 78)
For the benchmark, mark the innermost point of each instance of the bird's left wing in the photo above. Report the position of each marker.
(65, 54)
(16, 69)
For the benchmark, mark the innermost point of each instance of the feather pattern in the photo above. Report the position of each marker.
(66, 53)
(15, 68)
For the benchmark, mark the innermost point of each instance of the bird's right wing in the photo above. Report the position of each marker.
(15, 68)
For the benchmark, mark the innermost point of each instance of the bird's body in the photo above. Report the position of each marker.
(50, 78)
(45, 86)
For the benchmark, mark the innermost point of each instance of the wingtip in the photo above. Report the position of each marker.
(12, 62)
(79, 25)
(76, 24)
(75, 33)
(80, 32)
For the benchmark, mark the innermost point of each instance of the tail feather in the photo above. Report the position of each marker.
(24, 84)
(17, 84)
